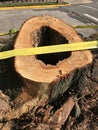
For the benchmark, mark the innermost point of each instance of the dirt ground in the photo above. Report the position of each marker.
(88, 119)
(87, 97)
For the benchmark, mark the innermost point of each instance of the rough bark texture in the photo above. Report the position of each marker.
(46, 78)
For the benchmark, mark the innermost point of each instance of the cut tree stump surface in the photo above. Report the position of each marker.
(42, 31)
(49, 74)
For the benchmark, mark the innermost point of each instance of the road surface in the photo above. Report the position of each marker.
(87, 11)
(73, 15)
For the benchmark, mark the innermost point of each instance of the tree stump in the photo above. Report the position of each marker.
(47, 77)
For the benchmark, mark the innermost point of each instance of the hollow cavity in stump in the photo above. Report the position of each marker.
(46, 36)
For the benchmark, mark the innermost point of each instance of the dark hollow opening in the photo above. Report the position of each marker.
(48, 36)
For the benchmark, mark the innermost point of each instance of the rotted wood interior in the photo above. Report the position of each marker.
(46, 36)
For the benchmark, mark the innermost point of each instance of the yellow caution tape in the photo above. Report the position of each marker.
(85, 26)
(8, 33)
(49, 49)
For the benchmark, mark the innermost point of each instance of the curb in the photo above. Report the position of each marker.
(33, 7)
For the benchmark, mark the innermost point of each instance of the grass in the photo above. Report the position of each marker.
(29, 4)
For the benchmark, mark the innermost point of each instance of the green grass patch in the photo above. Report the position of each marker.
(29, 4)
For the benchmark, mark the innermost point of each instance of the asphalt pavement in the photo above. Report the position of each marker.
(15, 18)
(87, 10)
